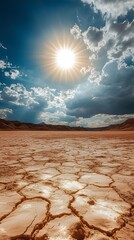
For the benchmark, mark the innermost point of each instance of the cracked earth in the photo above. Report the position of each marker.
(66, 185)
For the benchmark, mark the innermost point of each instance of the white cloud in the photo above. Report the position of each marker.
(2, 46)
(93, 37)
(112, 8)
(102, 120)
(44, 93)
(55, 112)
(99, 120)
(18, 95)
(60, 98)
(96, 76)
(76, 31)
(122, 33)
(55, 100)
(6, 74)
(2, 64)
(14, 74)
(58, 117)
(9, 70)
(4, 112)
(48, 98)
(113, 42)
(85, 70)
(52, 118)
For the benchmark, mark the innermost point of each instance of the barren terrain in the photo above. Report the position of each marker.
(66, 185)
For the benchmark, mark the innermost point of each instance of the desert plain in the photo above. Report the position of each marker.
(66, 185)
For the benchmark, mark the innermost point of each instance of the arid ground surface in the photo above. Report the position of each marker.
(66, 185)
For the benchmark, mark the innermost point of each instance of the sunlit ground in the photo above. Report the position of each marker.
(66, 185)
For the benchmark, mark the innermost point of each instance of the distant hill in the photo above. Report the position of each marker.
(128, 125)
(16, 125)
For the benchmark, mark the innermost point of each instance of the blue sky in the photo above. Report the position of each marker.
(104, 91)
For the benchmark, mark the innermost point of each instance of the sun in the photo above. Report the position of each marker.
(65, 58)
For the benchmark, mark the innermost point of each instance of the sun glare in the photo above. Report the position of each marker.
(65, 58)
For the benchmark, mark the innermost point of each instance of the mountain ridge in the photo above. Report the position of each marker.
(127, 125)
(17, 125)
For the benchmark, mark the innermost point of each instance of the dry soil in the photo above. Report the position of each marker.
(66, 185)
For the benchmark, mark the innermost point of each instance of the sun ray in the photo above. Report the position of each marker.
(63, 58)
